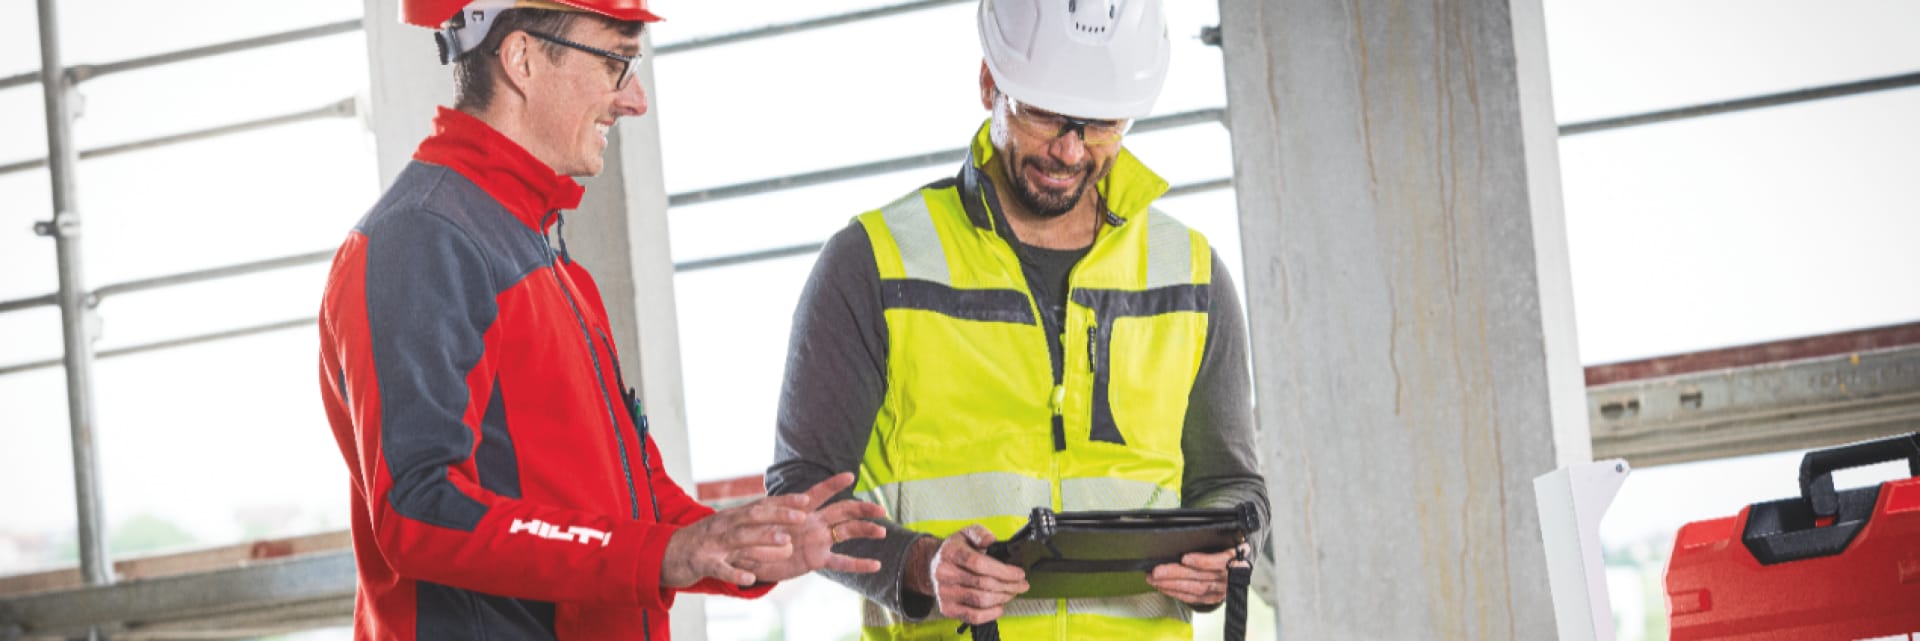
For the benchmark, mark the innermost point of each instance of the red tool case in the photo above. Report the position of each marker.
(1826, 565)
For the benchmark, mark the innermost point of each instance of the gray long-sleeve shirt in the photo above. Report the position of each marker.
(836, 381)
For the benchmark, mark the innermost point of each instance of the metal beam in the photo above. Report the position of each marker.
(222, 593)
(1744, 104)
(1785, 395)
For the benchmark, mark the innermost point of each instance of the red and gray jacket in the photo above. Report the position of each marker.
(501, 487)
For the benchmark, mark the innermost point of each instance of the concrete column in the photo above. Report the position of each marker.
(1411, 309)
(619, 232)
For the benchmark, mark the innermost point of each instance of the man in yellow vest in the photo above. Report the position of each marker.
(1029, 333)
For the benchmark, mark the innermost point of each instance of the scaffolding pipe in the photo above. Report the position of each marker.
(74, 304)
(1743, 104)
(344, 108)
(903, 163)
(801, 25)
(82, 73)
(250, 330)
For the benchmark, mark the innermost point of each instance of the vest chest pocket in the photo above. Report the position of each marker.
(1144, 349)
(1143, 371)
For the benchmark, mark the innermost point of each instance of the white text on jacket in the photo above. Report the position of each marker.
(547, 530)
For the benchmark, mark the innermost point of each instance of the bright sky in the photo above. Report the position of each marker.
(1685, 236)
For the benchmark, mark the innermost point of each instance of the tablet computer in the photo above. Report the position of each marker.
(1102, 554)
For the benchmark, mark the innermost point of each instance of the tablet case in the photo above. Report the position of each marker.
(1104, 554)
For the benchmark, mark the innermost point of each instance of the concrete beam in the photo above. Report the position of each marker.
(1411, 308)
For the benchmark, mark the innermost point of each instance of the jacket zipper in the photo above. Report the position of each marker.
(639, 416)
(626, 469)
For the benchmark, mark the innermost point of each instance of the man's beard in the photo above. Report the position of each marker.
(1047, 203)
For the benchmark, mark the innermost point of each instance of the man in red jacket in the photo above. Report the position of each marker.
(504, 485)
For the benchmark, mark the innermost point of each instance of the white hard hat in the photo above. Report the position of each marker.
(1102, 59)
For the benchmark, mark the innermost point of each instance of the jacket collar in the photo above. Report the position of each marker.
(1129, 188)
(499, 166)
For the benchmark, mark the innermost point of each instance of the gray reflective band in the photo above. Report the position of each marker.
(966, 497)
(1097, 493)
(985, 305)
(911, 225)
(1169, 251)
(1149, 605)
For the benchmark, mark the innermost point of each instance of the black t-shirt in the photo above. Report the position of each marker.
(1047, 271)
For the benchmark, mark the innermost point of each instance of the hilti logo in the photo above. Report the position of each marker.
(547, 530)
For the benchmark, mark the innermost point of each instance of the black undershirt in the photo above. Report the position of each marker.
(1047, 271)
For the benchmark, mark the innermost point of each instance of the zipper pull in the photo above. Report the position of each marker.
(1093, 346)
(1059, 403)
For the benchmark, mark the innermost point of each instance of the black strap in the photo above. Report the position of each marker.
(1239, 576)
(989, 631)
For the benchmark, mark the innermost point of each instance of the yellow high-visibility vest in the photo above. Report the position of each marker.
(974, 428)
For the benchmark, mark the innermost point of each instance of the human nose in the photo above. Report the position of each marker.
(1070, 148)
(631, 99)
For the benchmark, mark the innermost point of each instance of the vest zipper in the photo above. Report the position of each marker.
(626, 469)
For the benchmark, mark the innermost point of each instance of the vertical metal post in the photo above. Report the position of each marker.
(74, 300)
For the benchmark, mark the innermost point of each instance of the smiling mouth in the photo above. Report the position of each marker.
(1058, 179)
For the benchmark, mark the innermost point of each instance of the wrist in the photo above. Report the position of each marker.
(676, 567)
(918, 575)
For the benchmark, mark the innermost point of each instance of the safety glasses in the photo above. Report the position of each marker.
(627, 66)
(1046, 124)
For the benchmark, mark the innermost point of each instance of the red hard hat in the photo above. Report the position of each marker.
(433, 13)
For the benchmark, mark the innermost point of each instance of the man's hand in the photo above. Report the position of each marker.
(772, 539)
(965, 583)
(1198, 579)
(812, 540)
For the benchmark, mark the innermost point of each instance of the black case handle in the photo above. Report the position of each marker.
(1816, 470)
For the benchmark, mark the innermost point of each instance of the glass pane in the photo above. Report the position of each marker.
(28, 267)
(232, 424)
(102, 31)
(869, 108)
(145, 221)
(733, 351)
(1747, 227)
(1617, 58)
(40, 528)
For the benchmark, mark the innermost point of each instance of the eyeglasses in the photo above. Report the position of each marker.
(627, 66)
(1046, 124)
